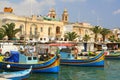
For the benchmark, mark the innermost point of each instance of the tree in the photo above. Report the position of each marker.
(104, 32)
(2, 33)
(10, 31)
(112, 38)
(71, 36)
(118, 40)
(96, 30)
(86, 38)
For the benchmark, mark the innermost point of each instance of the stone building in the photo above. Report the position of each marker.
(35, 27)
(44, 28)
(81, 29)
(116, 32)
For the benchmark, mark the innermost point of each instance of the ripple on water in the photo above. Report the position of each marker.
(111, 71)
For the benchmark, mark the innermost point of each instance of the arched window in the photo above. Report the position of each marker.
(66, 18)
(40, 38)
(53, 16)
(22, 32)
(86, 31)
(35, 30)
(57, 30)
(80, 31)
(22, 29)
(30, 30)
(49, 31)
(44, 38)
(41, 29)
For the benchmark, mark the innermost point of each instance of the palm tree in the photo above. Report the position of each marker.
(96, 30)
(10, 31)
(86, 38)
(118, 40)
(112, 38)
(2, 34)
(104, 32)
(71, 36)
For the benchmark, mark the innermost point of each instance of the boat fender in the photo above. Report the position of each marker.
(8, 66)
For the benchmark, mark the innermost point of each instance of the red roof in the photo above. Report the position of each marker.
(62, 44)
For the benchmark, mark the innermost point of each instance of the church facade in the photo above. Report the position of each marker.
(44, 28)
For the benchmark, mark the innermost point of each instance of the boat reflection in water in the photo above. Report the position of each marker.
(44, 76)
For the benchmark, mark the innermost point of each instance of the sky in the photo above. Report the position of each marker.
(105, 13)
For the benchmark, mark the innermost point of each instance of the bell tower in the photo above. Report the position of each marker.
(52, 13)
(65, 16)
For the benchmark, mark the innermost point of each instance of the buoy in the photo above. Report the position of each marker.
(8, 66)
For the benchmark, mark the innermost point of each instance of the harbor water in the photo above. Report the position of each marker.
(111, 71)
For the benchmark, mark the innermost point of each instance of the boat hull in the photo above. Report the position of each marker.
(89, 64)
(17, 75)
(97, 61)
(51, 66)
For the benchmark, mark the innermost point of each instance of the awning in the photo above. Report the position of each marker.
(61, 44)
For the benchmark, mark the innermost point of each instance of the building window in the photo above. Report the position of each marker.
(80, 30)
(65, 18)
(35, 30)
(41, 29)
(57, 30)
(44, 38)
(22, 29)
(61, 39)
(22, 32)
(31, 34)
(30, 30)
(53, 16)
(49, 31)
(57, 39)
(86, 31)
(40, 38)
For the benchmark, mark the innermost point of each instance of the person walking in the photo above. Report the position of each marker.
(75, 52)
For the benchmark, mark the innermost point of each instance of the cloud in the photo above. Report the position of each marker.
(116, 12)
(28, 7)
(74, 0)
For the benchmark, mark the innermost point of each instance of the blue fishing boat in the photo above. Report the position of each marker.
(17, 75)
(70, 57)
(98, 60)
(19, 61)
(40, 62)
